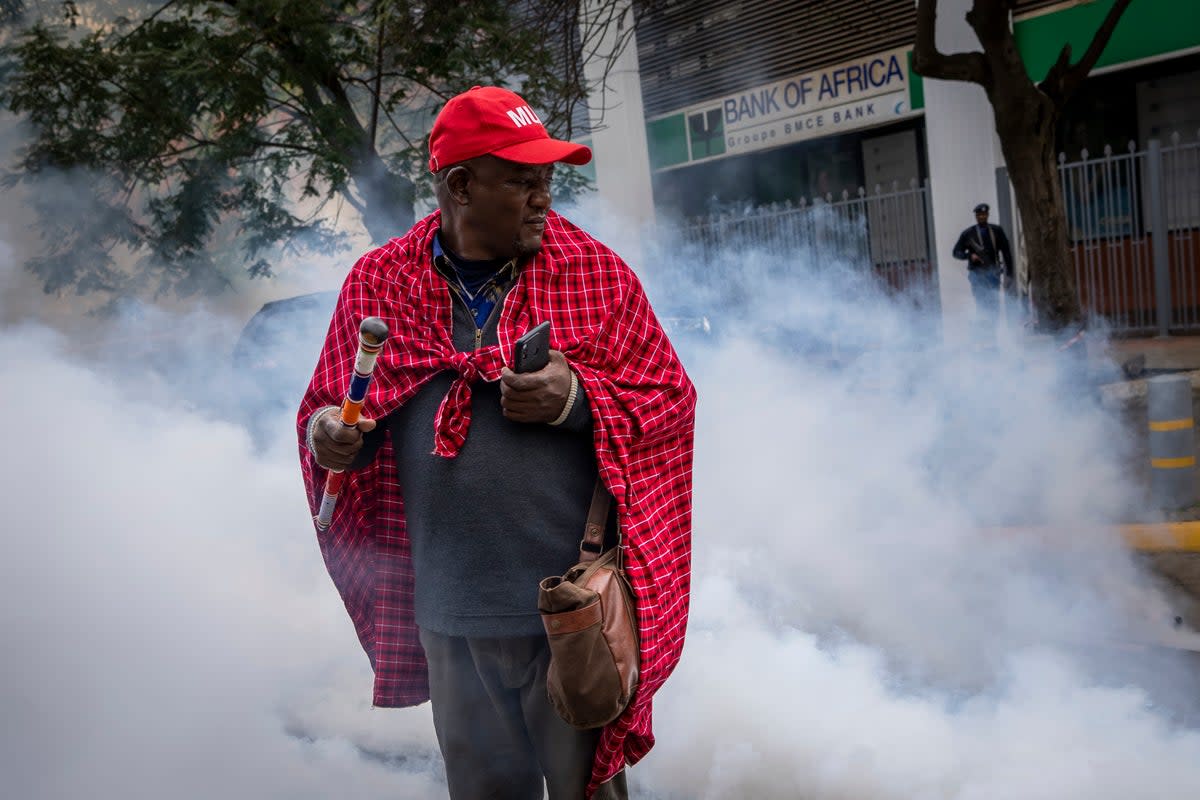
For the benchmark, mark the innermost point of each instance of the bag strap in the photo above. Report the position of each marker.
(592, 543)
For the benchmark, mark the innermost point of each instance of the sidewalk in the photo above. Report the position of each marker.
(1166, 353)
(1142, 358)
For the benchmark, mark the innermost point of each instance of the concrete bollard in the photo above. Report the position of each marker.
(1172, 442)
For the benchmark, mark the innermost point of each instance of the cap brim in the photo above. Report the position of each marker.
(545, 151)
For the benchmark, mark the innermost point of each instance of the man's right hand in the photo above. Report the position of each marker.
(335, 445)
(975, 259)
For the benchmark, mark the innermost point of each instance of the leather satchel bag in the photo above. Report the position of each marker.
(591, 623)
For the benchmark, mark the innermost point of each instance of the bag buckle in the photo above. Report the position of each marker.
(592, 543)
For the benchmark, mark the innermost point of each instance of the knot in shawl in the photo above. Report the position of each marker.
(454, 415)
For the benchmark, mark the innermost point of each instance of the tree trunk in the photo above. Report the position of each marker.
(1026, 126)
(387, 201)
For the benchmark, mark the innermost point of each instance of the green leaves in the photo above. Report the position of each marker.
(195, 138)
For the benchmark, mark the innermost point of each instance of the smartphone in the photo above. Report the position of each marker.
(532, 351)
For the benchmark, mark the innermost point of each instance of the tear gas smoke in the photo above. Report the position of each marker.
(861, 626)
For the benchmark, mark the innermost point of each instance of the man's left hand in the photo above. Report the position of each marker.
(536, 396)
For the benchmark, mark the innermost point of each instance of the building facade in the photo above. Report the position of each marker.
(746, 103)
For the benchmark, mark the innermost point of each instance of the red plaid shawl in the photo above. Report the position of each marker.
(642, 402)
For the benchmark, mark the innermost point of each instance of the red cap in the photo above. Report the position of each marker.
(488, 120)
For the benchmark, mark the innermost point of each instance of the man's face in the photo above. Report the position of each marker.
(981, 217)
(507, 213)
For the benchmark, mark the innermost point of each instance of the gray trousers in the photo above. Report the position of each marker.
(499, 735)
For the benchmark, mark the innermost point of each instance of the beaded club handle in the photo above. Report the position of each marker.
(372, 334)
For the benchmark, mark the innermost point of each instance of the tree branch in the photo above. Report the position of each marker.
(932, 63)
(1051, 85)
(377, 90)
(121, 39)
(1075, 75)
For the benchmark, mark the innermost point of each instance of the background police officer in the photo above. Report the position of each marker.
(989, 260)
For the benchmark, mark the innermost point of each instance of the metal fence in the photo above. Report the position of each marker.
(1134, 225)
(885, 234)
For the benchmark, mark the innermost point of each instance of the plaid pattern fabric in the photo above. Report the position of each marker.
(643, 406)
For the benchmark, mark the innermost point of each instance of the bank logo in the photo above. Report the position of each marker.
(707, 131)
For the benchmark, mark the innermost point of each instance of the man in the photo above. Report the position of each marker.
(981, 246)
(467, 483)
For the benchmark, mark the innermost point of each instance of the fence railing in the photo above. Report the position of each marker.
(884, 234)
(1134, 224)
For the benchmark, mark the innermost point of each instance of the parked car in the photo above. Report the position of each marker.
(274, 357)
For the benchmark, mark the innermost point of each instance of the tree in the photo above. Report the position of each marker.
(194, 122)
(1026, 116)
(10, 11)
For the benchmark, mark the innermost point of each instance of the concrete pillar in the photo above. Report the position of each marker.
(963, 154)
(617, 118)
(1172, 441)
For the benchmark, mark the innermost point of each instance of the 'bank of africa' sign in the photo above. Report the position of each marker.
(853, 95)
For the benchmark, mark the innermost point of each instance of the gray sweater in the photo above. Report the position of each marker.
(488, 525)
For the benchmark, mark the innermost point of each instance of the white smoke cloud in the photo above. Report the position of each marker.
(169, 625)
(862, 628)
(861, 625)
